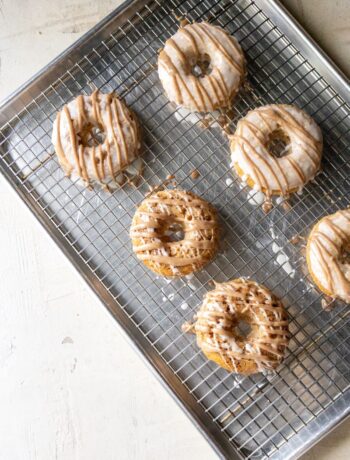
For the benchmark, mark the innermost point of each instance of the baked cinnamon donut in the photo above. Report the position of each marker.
(201, 67)
(261, 170)
(326, 249)
(96, 137)
(161, 215)
(219, 336)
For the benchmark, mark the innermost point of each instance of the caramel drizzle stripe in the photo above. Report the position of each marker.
(72, 138)
(83, 164)
(110, 160)
(115, 110)
(58, 147)
(201, 88)
(261, 179)
(178, 76)
(218, 45)
(222, 82)
(115, 140)
(323, 263)
(132, 123)
(276, 163)
(214, 88)
(101, 161)
(96, 107)
(94, 162)
(81, 111)
(198, 90)
(296, 168)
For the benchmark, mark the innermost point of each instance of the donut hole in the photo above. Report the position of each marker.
(92, 135)
(201, 67)
(174, 232)
(243, 328)
(278, 143)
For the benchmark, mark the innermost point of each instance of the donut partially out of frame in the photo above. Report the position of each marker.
(326, 255)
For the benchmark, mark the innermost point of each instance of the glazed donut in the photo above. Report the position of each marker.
(80, 150)
(201, 67)
(218, 334)
(328, 241)
(173, 211)
(263, 171)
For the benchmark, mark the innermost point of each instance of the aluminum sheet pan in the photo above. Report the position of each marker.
(266, 416)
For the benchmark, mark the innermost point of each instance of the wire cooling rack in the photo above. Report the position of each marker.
(277, 415)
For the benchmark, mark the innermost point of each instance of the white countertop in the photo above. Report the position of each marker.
(71, 386)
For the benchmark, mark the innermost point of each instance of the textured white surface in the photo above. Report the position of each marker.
(71, 386)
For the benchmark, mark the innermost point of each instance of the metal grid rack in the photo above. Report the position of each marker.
(255, 417)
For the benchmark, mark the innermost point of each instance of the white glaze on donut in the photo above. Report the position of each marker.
(183, 50)
(102, 162)
(250, 155)
(327, 241)
(220, 313)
